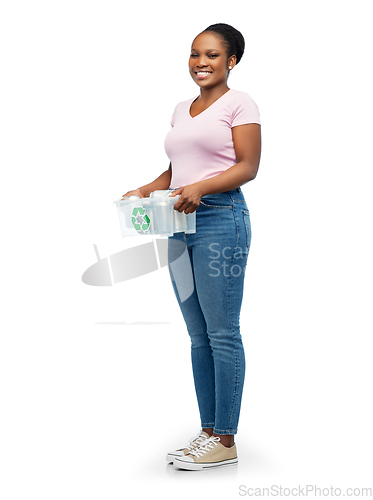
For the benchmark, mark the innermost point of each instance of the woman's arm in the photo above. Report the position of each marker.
(161, 182)
(247, 146)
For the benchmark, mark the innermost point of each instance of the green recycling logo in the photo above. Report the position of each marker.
(140, 220)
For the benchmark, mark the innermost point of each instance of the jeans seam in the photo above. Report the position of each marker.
(234, 395)
(232, 406)
(248, 243)
(230, 321)
(237, 228)
(235, 392)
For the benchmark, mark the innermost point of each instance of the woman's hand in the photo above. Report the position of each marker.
(135, 192)
(190, 198)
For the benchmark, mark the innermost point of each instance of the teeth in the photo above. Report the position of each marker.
(203, 72)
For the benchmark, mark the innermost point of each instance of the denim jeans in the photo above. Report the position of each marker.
(218, 254)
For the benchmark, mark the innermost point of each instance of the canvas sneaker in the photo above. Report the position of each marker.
(194, 443)
(211, 454)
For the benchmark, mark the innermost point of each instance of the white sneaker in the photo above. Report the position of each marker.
(194, 443)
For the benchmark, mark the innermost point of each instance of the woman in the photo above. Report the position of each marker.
(214, 147)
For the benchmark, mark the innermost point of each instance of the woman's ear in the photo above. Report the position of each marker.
(232, 62)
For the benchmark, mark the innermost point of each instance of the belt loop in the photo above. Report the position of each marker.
(238, 190)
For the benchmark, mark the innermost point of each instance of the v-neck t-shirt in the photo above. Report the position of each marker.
(201, 147)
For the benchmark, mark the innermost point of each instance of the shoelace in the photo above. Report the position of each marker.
(196, 442)
(208, 446)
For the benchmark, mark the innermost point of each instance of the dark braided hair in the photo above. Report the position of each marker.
(232, 39)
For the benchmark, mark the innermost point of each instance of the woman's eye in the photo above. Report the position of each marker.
(213, 55)
(193, 55)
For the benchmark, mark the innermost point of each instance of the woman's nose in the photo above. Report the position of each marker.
(201, 62)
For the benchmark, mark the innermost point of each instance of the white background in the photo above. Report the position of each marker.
(96, 382)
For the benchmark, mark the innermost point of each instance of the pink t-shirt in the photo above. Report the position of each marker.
(202, 147)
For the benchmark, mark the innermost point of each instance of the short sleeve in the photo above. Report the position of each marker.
(172, 122)
(245, 111)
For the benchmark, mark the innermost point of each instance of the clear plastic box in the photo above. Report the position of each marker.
(153, 216)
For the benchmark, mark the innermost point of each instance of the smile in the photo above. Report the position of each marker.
(202, 74)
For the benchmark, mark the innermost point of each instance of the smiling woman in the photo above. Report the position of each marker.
(208, 61)
(226, 136)
(214, 147)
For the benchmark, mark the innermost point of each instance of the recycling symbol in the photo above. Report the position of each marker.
(140, 219)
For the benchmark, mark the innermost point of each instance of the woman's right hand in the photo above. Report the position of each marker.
(135, 192)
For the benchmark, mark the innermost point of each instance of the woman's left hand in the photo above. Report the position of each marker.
(190, 198)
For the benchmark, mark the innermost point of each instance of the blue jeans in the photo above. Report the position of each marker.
(218, 254)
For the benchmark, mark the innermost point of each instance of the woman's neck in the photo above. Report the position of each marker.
(207, 96)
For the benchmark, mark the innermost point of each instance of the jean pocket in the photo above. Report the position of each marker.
(211, 205)
(246, 219)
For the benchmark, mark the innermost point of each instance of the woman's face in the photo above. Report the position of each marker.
(208, 62)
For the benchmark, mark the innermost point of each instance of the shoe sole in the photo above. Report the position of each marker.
(171, 458)
(200, 466)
